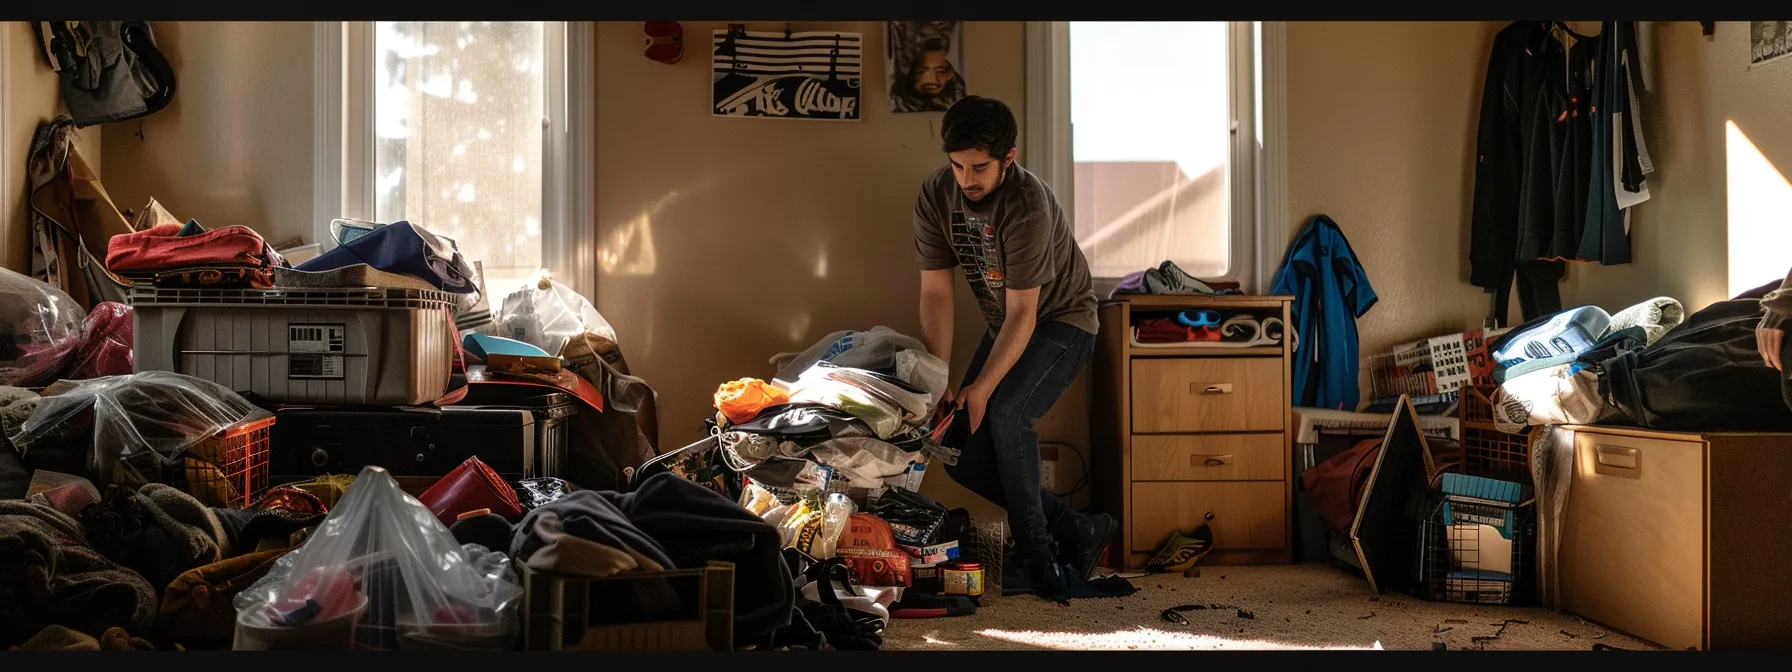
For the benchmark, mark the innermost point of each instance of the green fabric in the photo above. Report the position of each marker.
(191, 229)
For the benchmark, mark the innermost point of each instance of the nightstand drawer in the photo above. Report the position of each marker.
(1214, 394)
(1209, 457)
(1246, 515)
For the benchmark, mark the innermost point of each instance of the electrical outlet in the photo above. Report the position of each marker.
(1048, 475)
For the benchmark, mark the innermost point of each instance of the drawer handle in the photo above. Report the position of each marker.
(1210, 388)
(1617, 461)
(1211, 460)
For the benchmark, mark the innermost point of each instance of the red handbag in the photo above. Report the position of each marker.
(470, 487)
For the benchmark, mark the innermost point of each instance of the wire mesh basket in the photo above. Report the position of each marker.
(1487, 451)
(229, 469)
(1463, 558)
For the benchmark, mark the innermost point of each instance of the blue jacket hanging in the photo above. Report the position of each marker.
(1330, 291)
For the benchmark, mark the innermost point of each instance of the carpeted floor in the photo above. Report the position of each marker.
(1283, 607)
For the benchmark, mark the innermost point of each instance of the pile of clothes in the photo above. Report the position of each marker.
(852, 414)
(150, 567)
(832, 452)
(1168, 278)
(186, 256)
(1207, 327)
(1650, 365)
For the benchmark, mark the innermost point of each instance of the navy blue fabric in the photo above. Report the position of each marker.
(1330, 291)
(405, 249)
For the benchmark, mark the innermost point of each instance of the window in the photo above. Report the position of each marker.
(1150, 133)
(463, 128)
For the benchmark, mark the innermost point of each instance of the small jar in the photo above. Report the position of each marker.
(962, 578)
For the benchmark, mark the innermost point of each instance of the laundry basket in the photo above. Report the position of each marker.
(229, 470)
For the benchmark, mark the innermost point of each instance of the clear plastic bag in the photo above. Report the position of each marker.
(148, 417)
(106, 344)
(382, 573)
(547, 314)
(39, 326)
(814, 524)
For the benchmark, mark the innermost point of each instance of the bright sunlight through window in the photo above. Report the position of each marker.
(1760, 214)
(1150, 115)
(458, 109)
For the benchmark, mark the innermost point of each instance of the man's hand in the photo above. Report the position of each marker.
(1768, 340)
(975, 399)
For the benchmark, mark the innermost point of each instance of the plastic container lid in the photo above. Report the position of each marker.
(968, 566)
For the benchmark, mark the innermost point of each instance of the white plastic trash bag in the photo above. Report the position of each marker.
(382, 573)
(549, 317)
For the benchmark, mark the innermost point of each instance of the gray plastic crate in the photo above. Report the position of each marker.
(335, 347)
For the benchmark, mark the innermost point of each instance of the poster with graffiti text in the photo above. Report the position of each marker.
(1768, 42)
(804, 75)
(926, 64)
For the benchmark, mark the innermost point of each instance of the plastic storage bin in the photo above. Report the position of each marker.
(343, 347)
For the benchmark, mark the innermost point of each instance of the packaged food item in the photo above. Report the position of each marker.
(914, 520)
(962, 578)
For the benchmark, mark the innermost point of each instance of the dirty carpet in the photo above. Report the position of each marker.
(1309, 606)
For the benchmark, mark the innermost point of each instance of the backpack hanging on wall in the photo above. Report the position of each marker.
(110, 70)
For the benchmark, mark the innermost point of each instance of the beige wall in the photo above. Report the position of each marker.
(28, 89)
(235, 145)
(1381, 137)
(1679, 238)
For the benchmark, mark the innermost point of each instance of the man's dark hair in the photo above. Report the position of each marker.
(975, 122)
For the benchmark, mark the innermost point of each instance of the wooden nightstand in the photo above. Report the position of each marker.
(1194, 433)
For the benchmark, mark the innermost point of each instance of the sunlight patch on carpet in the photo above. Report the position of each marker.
(1151, 640)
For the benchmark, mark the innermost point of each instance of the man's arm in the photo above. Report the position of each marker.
(1021, 316)
(1772, 331)
(936, 312)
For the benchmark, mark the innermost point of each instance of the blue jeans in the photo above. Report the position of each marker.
(1000, 461)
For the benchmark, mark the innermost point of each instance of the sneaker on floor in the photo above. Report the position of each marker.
(1181, 551)
(1038, 576)
(1081, 555)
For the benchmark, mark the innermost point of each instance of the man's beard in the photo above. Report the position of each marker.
(1001, 179)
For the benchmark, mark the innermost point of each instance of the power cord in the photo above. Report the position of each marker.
(1082, 482)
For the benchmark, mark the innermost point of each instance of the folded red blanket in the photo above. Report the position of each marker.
(161, 248)
(1161, 330)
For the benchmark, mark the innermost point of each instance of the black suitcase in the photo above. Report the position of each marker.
(412, 442)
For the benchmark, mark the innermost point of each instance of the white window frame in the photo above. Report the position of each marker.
(1258, 174)
(344, 154)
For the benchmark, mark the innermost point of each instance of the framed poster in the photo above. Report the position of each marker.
(807, 75)
(1768, 42)
(925, 60)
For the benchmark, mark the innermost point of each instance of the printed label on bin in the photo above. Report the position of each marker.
(314, 351)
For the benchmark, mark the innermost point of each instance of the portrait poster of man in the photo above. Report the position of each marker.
(926, 64)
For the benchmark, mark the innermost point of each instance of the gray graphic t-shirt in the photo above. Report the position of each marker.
(1016, 237)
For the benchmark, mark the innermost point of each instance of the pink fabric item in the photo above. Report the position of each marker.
(161, 247)
(105, 348)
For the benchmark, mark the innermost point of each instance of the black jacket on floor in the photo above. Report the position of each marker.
(696, 525)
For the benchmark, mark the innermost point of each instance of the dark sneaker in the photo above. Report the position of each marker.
(1083, 554)
(1039, 576)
